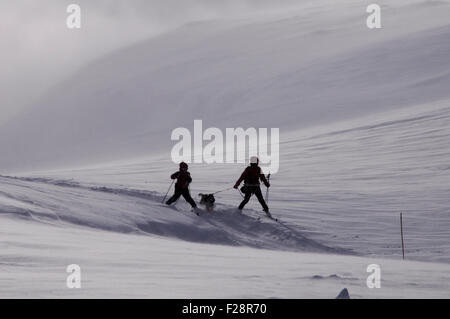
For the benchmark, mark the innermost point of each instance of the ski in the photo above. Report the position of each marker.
(272, 218)
(268, 215)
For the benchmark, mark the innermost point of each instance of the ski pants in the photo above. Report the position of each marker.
(181, 192)
(250, 190)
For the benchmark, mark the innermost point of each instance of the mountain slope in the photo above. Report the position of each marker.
(125, 244)
(313, 65)
(34, 257)
(342, 185)
(63, 204)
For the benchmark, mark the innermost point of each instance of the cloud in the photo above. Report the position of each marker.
(38, 50)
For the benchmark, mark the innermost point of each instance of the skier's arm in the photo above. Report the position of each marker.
(175, 175)
(264, 180)
(240, 179)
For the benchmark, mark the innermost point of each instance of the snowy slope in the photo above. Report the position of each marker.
(313, 64)
(364, 118)
(34, 258)
(131, 211)
(129, 246)
(342, 186)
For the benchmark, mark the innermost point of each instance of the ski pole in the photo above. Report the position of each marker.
(401, 231)
(167, 191)
(267, 191)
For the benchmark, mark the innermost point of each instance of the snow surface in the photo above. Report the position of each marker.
(34, 257)
(110, 220)
(313, 64)
(364, 117)
(343, 185)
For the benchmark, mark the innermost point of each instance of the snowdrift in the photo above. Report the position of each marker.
(34, 257)
(64, 203)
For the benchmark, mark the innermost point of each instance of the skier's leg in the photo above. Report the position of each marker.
(248, 194)
(261, 200)
(175, 197)
(188, 198)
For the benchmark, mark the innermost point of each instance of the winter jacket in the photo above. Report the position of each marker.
(251, 176)
(183, 179)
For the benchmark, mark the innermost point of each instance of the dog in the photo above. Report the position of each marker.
(207, 200)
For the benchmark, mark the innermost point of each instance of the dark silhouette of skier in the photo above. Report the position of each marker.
(183, 178)
(251, 177)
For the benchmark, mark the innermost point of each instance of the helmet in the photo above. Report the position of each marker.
(254, 160)
(183, 165)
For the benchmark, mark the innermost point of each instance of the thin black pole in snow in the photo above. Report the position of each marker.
(167, 191)
(401, 231)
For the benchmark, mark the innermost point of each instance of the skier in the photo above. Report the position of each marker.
(183, 178)
(251, 177)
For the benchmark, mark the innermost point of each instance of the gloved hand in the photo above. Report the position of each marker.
(267, 184)
(235, 186)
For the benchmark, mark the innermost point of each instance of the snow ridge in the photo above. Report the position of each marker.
(68, 203)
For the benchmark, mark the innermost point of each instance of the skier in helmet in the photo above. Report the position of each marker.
(251, 177)
(183, 178)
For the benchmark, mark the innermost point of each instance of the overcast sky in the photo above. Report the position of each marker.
(38, 50)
